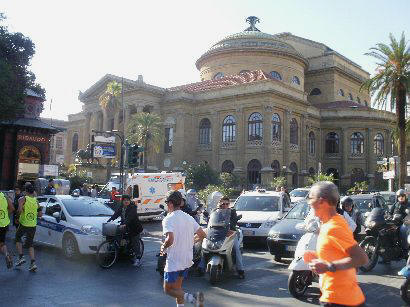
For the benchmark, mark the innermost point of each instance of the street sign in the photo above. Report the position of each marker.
(49, 170)
(103, 139)
(389, 175)
(104, 151)
(90, 174)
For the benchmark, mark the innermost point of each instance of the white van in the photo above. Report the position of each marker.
(149, 191)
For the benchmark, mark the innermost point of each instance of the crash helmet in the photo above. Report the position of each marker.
(401, 192)
(191, 191)
(346, 201)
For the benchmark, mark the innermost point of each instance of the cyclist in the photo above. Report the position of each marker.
(130, 224)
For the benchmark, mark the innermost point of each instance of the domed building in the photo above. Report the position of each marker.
(266, 106)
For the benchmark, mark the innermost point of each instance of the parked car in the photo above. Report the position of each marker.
(283, 236)
(259, 209)
(298, 194)
(366, 202)
(389, 197)
(72, 223)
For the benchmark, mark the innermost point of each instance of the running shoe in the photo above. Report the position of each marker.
(20, 261)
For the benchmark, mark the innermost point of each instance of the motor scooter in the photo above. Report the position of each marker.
(405, 287)
(302, 276)
(217, 248)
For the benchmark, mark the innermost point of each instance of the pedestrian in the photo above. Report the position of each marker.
(337, 254)
(180, 231)
(6, 207)
(17, 194)
(28, 212)
(94, 192)
(84, 190)
(50, 190)
(286, 197)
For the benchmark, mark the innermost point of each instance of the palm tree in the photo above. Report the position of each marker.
(392, 80)
(145, 129)
(109, 99)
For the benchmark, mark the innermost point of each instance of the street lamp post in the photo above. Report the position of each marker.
(121, 136)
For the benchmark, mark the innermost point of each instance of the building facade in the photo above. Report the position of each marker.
(58, 141)
(266, 105)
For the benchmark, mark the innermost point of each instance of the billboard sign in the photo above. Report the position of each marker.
(103, 139)
(104, 151)
(49, 170)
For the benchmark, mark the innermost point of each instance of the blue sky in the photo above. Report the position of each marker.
(78, 42)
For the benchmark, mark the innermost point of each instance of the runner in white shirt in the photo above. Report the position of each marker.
(181, 230)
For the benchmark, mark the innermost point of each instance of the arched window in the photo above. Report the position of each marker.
(357, 144)
(294, 132)
(276, 128)
(332, 143)
(218, 75)
(295, 80)
(205, 132)
(227, 166)
(275, 75)
(244, 72)
(378, 145)
(341, 93)
(276, 168)
(255, 123)
(254, 171)
(229, 129)
(350, 97)
(358, 100)
(74, 144)
(312, 143)
(312, 172)
(294, 169)
(315, 92)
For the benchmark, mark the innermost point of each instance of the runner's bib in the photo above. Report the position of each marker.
(4, 213)
(28, 217)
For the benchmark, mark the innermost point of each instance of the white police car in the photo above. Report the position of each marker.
(260, 210)
(73, 223)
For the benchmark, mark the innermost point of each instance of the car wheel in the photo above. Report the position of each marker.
(70, 246)
(278, 258)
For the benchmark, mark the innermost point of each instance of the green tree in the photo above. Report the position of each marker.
(145, 129)
(198, 176)
(320, 177)
(229, 180)
(392, 81)
(109, 99)
(16, 51)
(278, 182)
(359, 187)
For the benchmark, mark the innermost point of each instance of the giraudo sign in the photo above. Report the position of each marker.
(32, 138)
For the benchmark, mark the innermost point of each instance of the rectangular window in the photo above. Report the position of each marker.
(169, 135)
(59, 142)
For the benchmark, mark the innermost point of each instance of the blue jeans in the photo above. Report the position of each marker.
(239, 261)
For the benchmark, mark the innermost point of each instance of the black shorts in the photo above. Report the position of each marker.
(3, 231)
(28, 231)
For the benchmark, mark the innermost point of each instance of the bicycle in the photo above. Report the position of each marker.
(116, 243)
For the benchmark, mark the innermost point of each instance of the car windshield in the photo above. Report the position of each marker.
(362, 204)
(298, 212)
(389, 198)
(299, 193)
(257, 203)
(86, 207)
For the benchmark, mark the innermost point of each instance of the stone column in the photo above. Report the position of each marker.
(342, 153)
(126, 119)
(105, 120)
(87, 131)
(117, 119)
(285, 139)
(369, 157)
(303, 150)
(215, 137)
(241, 138)
(267, 171)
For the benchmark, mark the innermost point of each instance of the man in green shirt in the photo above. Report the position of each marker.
(6, 208)
(28, 212)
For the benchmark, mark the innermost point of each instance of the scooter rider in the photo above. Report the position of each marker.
(130, 223)
(398, 213)
(348, 207)
(224, 204)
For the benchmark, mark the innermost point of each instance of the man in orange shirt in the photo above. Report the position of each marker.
(337, 253)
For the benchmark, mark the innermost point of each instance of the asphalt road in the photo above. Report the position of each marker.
(60, 282)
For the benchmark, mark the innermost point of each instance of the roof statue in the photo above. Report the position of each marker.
(252, 20)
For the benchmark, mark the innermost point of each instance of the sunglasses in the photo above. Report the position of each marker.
(225, 204)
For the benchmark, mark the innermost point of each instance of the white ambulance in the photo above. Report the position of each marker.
(149, 191)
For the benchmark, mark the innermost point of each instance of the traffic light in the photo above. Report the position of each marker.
(133, 156)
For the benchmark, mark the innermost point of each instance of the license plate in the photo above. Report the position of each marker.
(248, 232)
(290, 248)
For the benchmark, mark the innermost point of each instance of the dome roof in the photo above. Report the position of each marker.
(251, 39)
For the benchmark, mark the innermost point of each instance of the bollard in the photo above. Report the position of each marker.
(199, 299)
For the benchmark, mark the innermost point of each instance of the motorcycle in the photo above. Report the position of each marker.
(217, 248)
(405, 287)
(301, 276)
(382, 239)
